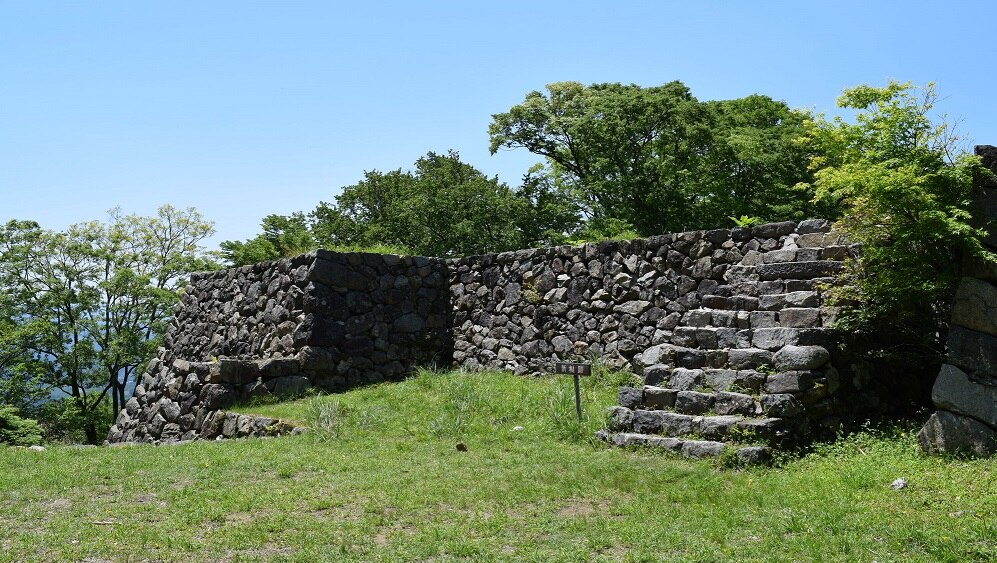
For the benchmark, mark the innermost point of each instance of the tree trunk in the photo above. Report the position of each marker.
(91, 431)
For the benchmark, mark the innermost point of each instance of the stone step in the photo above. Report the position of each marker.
(786, 328)
(748, 381)
(714, 427)
(687, 448)
(782, 405)
(778, 354)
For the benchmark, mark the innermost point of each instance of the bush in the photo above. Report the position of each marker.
(18, 431)
(62, 420)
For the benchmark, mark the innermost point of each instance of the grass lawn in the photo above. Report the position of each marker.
(381, 479)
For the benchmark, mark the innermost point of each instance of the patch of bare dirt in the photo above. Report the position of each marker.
(577, 508)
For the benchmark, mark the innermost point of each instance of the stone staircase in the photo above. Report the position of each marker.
(742, 374)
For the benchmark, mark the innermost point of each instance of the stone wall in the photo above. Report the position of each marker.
(965, 392)
(323, 319)
(726, 326)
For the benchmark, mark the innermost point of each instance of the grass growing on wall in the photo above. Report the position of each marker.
(381, 479)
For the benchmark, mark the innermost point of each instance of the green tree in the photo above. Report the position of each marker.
(443, 207)
(89, 303)
(283, 235)
(658, 159)
(16, 430)
(904, 187)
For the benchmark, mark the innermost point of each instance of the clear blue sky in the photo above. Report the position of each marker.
(245, 108)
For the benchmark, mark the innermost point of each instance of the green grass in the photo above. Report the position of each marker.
(381, 480)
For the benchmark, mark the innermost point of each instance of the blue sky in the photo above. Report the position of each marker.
(242, 109)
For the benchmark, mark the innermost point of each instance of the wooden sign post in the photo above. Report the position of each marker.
(577, 370)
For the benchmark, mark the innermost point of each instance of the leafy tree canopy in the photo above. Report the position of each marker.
(904, 186)
(444, 207)
(85, 307)
(660, 160)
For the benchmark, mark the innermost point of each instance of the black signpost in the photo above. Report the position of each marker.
(577, 370)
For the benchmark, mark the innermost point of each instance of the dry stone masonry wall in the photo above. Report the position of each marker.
(326, 320)
(965, 392)
(727, 327)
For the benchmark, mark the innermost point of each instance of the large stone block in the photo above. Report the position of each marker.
(647, 422)
(657, 374)
(780, 405)
(745, 358)
(215, 396)
(975, 306)
(734, 403)
(773, 230)
(793, 358)
(774, 338)
(789, 382)
(621, 419)
(947, 432)
(659, 397)
(972, 350)
(954, 391)
(693, 402)
(808, 226)
(631, 397)
(799, 317)
(335, 274)
(979, 269)
(717, 427)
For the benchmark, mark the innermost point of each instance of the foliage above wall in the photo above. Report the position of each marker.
(621, 162)
(904, 186)
(660, 159)
(444, 207)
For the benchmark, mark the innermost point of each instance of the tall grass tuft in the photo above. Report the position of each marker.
(563, 419)
(325, 417)
(332, 419)
(463, 398)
